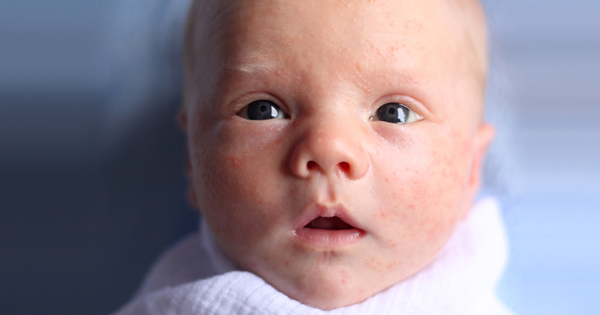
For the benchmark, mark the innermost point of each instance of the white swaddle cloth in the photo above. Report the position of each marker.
(460, 280)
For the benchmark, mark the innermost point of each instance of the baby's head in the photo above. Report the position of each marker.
(334, 145)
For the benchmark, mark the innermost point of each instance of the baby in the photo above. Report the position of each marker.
(334, 145)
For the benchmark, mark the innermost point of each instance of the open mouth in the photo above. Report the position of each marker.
(333, 223)
(328, 228)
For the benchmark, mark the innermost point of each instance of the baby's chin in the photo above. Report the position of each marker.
(330, 286)
(329, 293)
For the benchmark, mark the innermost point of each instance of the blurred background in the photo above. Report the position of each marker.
(91, 162)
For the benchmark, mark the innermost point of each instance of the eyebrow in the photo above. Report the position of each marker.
(253, 69)
(258, 70)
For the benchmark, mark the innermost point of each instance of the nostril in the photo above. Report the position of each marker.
(311, 165)
(344, 166)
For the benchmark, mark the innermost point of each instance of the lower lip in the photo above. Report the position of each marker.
(329, 238)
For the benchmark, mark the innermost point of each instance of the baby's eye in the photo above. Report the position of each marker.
(262, 110)
(396, 113)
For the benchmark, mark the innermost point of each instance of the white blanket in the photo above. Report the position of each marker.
(196, 277)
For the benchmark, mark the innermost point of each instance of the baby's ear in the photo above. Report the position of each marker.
(191, 194)
(182, 120)
(483, 137)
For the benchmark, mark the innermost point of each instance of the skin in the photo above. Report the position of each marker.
(329, 65)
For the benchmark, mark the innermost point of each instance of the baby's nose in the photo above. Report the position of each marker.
(329, 148)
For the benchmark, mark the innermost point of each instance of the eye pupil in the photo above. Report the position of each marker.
(393, 113)
(262, 110)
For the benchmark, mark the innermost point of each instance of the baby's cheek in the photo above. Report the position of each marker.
(446, 182)
(424, 194)
(239, 186)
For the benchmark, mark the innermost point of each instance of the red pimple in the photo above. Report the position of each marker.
(233, 161)
(344, 276)
(374, 264)
(392, 266)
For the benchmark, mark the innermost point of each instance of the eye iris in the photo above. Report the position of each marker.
(393, 113)
(261, 110)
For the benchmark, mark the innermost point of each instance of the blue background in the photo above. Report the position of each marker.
(91, 162)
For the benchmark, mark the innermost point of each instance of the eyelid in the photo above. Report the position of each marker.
(240, 102)
(412, 104)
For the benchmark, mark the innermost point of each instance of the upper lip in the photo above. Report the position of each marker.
(319, 210)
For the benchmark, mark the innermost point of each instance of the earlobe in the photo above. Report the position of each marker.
(483, 137)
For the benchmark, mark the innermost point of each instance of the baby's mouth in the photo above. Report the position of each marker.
(328, 228)
(333, 223)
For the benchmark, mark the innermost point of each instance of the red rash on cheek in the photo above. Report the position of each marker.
(234, 162)
(344, 276)
(374, 264)
(393, 266)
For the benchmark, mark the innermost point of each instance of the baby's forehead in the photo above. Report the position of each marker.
(450, 28)
(213, 19)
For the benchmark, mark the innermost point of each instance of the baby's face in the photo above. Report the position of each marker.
(334, 145)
